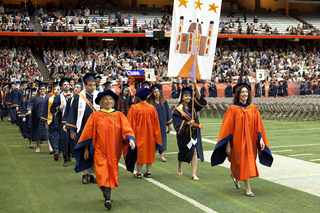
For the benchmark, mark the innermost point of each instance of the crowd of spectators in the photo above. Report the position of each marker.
(255, 27)
(17, 64)
(92, 20)
(278, 62)
(113, 62)
(15, 19)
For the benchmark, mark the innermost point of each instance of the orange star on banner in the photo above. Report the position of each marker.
(213, 7)
(198, 4)
(183, 3)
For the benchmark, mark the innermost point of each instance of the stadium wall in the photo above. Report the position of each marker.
(166, 89)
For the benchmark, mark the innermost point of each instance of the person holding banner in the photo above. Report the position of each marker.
(187, 126)
(164, 115)
(242, 137)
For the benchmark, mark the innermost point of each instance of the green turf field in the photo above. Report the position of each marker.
(34, 182)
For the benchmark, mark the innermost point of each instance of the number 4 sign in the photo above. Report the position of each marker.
(260, 74)
(149, 74)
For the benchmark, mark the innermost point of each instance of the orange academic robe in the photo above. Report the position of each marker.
(144, 121)
(243, 127)
(107, 134)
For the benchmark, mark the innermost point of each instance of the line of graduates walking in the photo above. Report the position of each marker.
(98, 127)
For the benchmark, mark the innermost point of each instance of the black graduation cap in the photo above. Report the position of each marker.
(55, 84)
(36, 82)
(89, 76)
(124, 86)
(17, 82)
(23, 83)
(33, 90)
(107, 84)
(145, 83)
(154, 87)
(80, 82)
(98, 77)
(43, 84)
(28, 88)
(64, 80)
(186, 90)
(240, 84)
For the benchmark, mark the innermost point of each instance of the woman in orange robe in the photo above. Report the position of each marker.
(144, 121)
(242, 137)
(106, 135)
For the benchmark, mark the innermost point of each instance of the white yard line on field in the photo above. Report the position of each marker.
(178, 194)
(289, 130)
(288, 150)
(300, 155)
(315, 160)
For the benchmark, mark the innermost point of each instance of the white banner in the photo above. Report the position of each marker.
(260, 75)
(193, 38)
(149, 33)
(149, 74)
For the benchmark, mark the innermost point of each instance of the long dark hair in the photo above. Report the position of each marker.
(151, 98)
(237, 94)
(189, 105)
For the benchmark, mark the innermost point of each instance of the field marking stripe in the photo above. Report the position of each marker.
(15, 146)
(178, 194)
(315, 160)
(300, 154)
(295, 145)
(288, 150)
(288, 130)
(292, 178)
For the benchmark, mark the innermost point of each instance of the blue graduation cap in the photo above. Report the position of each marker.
(33, 90)
(23, 83)
(154, 87)
(98, 78)
(37, 82)
(124, 86)
(186, 90)
(89, 76)
(43, 84)
(64, 80)
(80, 82)
(28, 88)
(143, 92)
(145, 84)
(240, 84)
(106, 92)
(55, 84)
(107, 84)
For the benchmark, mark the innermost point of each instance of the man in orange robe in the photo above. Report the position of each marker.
(144, 121)
(106, 135)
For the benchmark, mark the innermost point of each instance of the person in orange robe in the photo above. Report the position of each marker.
(242, 137)
(104, 138)
(144, 121)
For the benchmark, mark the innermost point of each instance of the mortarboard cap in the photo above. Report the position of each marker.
(106, 92)
(89, 76)
(64, 80)
(240, 84)
(154, 87)
(145, 83)
(142, 92)
(186, 90)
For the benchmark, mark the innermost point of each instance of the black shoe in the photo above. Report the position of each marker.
(56, 156)
(93, 179)
(108, 204)
(65, 164)
(85, 179)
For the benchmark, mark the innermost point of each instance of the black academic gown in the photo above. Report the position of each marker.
(213, 91)
(257, 90)
(203, 92)
(54, 109)
(38, 130)
(183, 133)
(302, 89)
(228, 91)
(123, 104)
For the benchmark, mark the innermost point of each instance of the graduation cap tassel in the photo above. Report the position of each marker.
(192, 117)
